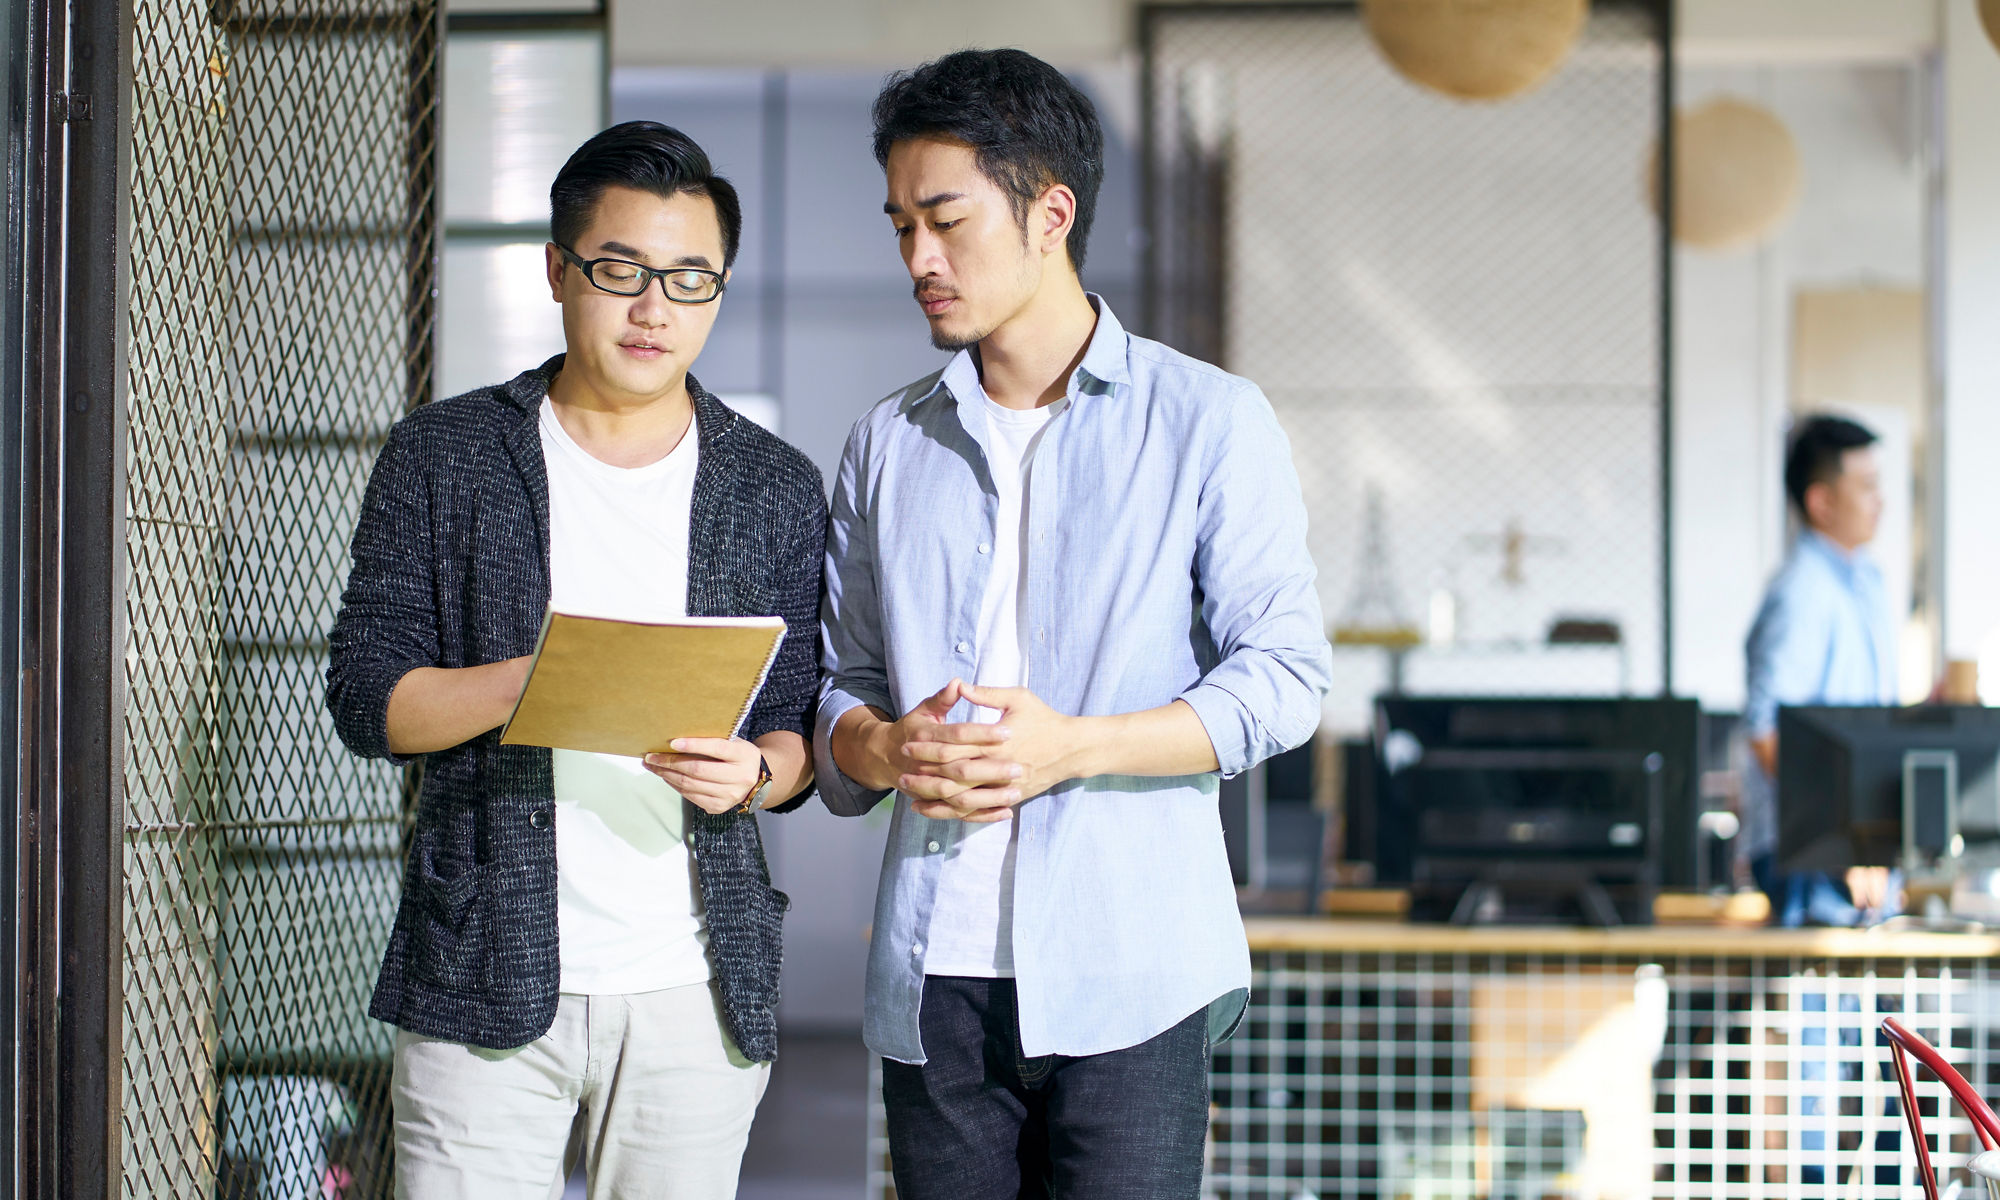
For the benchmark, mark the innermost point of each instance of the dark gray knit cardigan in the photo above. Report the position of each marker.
(451, 569)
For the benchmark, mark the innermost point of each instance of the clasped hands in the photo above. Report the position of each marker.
(978, 772)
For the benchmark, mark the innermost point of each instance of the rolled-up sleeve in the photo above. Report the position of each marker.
(850, 630)
(387, 626)
(1258, 597)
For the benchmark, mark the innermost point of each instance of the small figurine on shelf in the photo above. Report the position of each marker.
(1517, 612)
(1375, 615)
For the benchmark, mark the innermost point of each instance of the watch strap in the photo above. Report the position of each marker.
(755, 800)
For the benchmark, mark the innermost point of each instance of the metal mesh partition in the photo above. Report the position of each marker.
(282, 265)
(1456, 308)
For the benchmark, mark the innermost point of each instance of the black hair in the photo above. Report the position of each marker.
(1028, 126)
(650, 157)
(1817, 446)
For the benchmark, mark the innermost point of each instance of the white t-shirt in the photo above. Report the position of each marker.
(627, 908)
(972, 919)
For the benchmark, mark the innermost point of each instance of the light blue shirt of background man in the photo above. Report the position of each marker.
(1823, 636)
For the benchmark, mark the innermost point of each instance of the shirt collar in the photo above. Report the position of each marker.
(960, 377)
(1848, 563)
(1103, 365)
(1104, 359)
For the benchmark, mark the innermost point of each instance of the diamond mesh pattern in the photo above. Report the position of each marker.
(282, 268)
(1454, 307)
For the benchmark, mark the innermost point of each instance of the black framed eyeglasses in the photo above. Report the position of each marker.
(622, 277)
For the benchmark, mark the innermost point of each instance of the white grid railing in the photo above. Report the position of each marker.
(1422, 1076)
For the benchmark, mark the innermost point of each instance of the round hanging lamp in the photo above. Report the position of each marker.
(1736, 174)
(1475, 49)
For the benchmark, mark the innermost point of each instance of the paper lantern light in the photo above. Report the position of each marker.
(1736, 174)
(1475, 49)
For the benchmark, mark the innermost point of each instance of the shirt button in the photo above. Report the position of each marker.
(985, 549)
(917, 951)
(933, 847)
(963, 647)
(539, 818)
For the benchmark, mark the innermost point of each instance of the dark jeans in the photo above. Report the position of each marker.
(980, 1122)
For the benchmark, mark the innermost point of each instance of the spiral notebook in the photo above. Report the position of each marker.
(632, 687)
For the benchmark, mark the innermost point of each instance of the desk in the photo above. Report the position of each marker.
(1381, 1060)
(1269, 935)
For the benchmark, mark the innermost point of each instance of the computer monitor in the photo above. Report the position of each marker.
(1548, 808)
(1881, 787)
(1274, 833)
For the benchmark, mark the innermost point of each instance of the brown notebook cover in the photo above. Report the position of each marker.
(631, 687)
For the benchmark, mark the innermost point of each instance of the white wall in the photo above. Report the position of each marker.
(1455, 306)
(1971, 358)
(1860, 221)
(1828, 32)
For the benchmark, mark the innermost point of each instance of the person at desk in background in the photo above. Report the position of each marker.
(1823, 635)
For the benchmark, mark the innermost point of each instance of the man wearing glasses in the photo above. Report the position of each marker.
(585, 959)
(1067, 588)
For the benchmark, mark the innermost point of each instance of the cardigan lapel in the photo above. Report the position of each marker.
(524, 445)
(711, 528)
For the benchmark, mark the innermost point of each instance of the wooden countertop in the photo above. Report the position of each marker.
(1638, 941)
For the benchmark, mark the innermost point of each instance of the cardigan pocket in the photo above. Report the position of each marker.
(769, 926)
(448, 945)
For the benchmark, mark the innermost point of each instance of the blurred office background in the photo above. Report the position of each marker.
(1460, 308)
(1541, 440)
(1514, 415)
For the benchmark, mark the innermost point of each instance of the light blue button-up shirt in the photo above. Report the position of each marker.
(1164, 558)
(1824, 635)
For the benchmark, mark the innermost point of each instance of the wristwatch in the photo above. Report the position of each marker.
(755, 800)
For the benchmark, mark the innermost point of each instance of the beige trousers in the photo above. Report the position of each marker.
(649, 1089)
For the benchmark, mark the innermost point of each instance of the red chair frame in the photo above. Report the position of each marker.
(1902, 1044)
